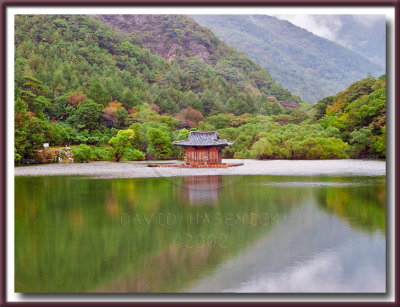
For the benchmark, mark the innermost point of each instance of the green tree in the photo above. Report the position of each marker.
(121, 143)
(361, 141)
(159, 144)
(320, 107)
(98, 94)
(129, 99)
(237, 105)
(379, 144)
(183, 134)
(88, 114)
(82, 153)
(121, 115)
(134, 155)
(21, 121)
(261, 149)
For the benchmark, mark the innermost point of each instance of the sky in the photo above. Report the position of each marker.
(362, 33)
(327, 26)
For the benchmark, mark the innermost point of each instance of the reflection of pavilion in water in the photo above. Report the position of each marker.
(201, 190)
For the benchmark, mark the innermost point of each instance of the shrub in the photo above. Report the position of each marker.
(134, 155)
(101, 154)
(17, 157)
(46, 156)
(261, 149)
(62, 154)
(82, 153)
(325, 148)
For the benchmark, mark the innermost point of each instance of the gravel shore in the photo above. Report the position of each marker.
(251, 167)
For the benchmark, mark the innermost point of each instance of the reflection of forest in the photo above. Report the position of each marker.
(70, 236)
(363, 207)
(201, 190)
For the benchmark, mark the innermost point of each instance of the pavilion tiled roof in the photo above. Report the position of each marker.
(197, 138)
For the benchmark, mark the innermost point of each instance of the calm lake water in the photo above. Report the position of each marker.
(200, 234)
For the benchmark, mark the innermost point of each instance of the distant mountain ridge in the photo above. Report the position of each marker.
(363, 34)
(309, 66)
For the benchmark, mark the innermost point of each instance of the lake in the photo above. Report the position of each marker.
(237, 233)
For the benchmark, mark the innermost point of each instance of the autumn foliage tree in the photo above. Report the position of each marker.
(75, 98)
(110, 112)
(189, 117)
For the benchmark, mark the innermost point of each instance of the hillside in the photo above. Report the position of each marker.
(308, 65)
(82, 84)
(77, 79)
(363, 34)
(367, 36)
(71, 53)
(359, 114)
(179, 38)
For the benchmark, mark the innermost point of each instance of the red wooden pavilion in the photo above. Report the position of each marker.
(203, 147)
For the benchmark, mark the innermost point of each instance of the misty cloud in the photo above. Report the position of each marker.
(329, 26)
(321, 25)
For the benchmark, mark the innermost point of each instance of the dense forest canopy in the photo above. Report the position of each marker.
(105, 92)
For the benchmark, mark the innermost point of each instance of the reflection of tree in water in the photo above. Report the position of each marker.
(74, 241)
(361, 206)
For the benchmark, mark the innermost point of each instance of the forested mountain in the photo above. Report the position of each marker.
(77, 73)
(364, 34)
(179, 38)
(73, 53)
(309, 66)
(112, 92)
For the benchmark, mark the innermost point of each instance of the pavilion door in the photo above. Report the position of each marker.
(190, 155)
(201, 155)
(212, 155)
